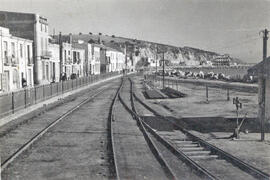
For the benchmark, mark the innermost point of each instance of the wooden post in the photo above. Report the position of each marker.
(35, 94)
(262, 108)
(62, 87)
(25, 97)
(43, 92)
(12, 102)
(51, 89)
(207, 93)
(57, 89)
(228, 95)
(177, 85)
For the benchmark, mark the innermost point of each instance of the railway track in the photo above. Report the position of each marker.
(116, 163)
(8, 161)
(197, 153)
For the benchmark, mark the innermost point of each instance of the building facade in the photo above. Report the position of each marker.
(16, 65)
(87, 59)
(116, 60)
(222, 61)
(95, 64)
(78, 59)
(54, 51)
(33, 27)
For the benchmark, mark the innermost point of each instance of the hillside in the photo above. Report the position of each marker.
(147, 50)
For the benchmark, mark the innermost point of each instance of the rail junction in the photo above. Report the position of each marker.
(110, 132)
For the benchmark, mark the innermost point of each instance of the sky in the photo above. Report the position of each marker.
(222, 26)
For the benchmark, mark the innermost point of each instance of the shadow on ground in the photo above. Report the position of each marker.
(205, 124)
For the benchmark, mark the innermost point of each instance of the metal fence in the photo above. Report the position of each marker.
(17, 100)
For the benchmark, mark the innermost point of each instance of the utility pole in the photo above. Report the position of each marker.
(60, 55)
(265, 38)
(156, 60)
(163, 69)
(262, 79)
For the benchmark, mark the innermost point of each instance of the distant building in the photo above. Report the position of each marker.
(87, 60)
(95, 64)
(16, 62)
(54, 51)
(78, 58)
(116, 60)
(222, 61)
(262, 71)
(34, 27)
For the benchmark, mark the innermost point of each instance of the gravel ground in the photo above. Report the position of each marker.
(134, 157)
(180, 169)
(195, 105)
(75, 148)
(206, 121)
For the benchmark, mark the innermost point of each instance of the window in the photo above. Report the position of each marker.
(28, 55)
(21, 50)
(74, 57)
(65, 56)
(13, 49)
(6, 51)
(43, 70)
(47, 71)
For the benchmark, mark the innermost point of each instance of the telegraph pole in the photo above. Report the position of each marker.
(262, 101)
(60, 55)
(163, 70)
(156, 60)
(265, 38)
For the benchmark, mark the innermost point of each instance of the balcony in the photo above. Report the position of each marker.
(46, 54)
(8, 61)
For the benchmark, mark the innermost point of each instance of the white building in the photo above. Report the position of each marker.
(95, 63)
(78, 59)
(80, 44)
(16, 62)
(116, 60)
(67, 59)
(54, 74)
(34, 27)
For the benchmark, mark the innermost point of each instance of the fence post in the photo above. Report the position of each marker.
(25, 96)
(206, 93)
(51, 89)
(12, 102)
(43, 92)
(57, 89)
(177, 85)
(228, 94)
(35, 88)
(62, 87)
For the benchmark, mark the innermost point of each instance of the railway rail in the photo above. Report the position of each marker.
(196, 152)
(6, 162)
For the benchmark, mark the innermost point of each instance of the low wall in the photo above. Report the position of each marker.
(14, 101)
(233, 71)
(253, 88)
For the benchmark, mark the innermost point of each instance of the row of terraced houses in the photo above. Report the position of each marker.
(30, 56)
